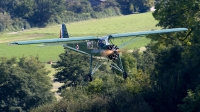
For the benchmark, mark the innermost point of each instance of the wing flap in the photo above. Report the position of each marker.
(66, 40)
(147, 32)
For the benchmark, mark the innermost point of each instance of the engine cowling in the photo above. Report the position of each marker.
(113, 55)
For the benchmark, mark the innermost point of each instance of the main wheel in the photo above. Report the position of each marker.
(90, 77)
(125, 75)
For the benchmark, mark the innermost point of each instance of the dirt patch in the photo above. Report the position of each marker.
(56, 85)
(142, 49)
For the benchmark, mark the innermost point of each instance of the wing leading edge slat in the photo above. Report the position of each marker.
(147, 32)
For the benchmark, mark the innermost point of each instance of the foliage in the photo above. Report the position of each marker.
(8, 23)
(40, 13)
(101, 95)
(174, 68)
(107, 92)
(131, 6)
(72, 71)
(191, 101)
(44, 10)
(168, 80)
(36, 12)
(95, 86)
(23, 84)
(121, 101)
(81, 6)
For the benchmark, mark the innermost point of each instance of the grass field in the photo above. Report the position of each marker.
(100, 27)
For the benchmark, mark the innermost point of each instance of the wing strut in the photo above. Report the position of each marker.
(129, 42)
(65, 46)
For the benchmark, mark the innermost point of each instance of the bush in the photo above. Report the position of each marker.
(1, 26)
(5, 21)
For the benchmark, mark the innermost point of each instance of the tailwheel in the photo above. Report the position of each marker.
(125, 75)
(90, 77)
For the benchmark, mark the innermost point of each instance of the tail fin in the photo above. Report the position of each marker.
(63, 31)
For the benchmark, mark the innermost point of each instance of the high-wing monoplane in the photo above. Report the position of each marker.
(98, 46)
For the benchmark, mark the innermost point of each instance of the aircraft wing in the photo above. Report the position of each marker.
(58, 40)
(82, 39)
(147, 32)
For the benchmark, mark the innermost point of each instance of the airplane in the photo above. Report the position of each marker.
(98, 46)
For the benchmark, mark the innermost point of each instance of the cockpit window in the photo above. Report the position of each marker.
(92, 45)
(89, 45)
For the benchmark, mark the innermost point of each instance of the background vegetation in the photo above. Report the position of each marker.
(21, 84)
(18, 14)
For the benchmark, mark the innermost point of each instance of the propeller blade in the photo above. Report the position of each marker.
(109, 52)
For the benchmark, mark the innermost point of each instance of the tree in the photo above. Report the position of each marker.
(124, 6)
(8, 5)
(178, 14)
(44, 9)
(143, 5)
(168, 80)
(24, 9)
(36, 12)
(72, 69)
(191, 101)
(175, 69)
(130, 6)
(83, 6)
(23, 84)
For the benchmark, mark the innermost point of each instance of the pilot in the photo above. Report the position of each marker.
(101, 44)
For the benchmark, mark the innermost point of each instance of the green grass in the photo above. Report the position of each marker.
(99, 27)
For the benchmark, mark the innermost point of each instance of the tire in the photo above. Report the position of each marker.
(90, 77)
(125, 75)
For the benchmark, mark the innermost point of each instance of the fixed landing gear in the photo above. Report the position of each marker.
(113, 56)
(125, 75)
(90, 77)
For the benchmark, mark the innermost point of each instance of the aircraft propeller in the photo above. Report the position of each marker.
(111, 51)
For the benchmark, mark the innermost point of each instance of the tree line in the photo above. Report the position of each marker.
(15, 14)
